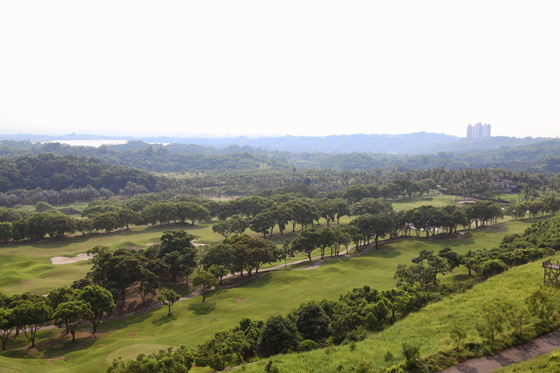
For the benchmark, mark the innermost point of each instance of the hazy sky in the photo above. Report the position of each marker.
(279, 67)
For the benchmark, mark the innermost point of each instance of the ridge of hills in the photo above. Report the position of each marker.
(410, 143)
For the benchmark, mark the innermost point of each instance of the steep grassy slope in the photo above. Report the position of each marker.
(428, 328)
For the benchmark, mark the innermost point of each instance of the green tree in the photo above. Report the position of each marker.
(107, 221)
(84, 226)
(263, 223)
(6, 232)
(457, 333)
(148, 283)
(168, 297)
(278, 335)
(372, 206)
(192, 211)
(8, 324)
(491, 267)
(178, 361)
(72, 313)
(31, 315)
(204, 280)
(42, 206)
(221, 255)
(306, 242)
(61, 295)
(492, 322)
(312, 322)
(543, 303)
(251, 253)
(175, 240)
(100, 302)
(218, 271)
(234, 225)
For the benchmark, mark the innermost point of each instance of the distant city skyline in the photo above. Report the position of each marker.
(479, 131)
(254, 68)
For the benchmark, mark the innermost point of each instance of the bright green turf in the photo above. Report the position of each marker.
(27, 266)
(273, 293)
(428, 328)
(438, 200)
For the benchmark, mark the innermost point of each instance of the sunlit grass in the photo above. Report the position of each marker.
(273, 293)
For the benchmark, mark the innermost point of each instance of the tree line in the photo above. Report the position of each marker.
(64, 306)
(262, 214)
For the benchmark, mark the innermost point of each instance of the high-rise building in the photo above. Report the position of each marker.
(478, 131)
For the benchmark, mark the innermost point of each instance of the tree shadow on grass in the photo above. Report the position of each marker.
(385, 252)
(260, 281)
(54, 344)
(202, 308)
(460, 277)
(164, 320)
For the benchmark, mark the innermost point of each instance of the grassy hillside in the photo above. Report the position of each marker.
(428, 328)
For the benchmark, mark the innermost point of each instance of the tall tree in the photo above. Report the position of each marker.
(100, 302)
(72, 313)
(204, 280)
(31, 315)
(168, 297)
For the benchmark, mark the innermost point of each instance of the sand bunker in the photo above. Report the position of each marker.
(56, 260)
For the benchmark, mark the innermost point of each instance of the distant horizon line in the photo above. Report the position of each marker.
(85, 136)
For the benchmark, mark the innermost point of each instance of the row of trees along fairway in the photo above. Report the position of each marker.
(28, 312)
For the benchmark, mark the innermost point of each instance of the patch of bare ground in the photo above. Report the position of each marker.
(239, 299)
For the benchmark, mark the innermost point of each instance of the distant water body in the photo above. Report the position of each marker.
(95, 143)
(98, 143)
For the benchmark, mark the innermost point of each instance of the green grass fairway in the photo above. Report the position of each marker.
(437, 200)
(273, 293)
(27, 266)
(428, 328)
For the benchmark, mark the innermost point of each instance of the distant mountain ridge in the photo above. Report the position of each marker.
(411, 143)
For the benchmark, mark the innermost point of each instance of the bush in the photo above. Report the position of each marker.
(411, 353)
(308, 345)
(492, 267)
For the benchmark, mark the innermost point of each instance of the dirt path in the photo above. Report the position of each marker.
(538, 346)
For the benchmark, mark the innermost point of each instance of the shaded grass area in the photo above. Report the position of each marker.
(428, 328)
(270, 294)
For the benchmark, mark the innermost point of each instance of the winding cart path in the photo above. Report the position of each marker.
(538, 346)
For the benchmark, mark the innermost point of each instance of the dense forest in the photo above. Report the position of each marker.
(534, 157)
(52, 172)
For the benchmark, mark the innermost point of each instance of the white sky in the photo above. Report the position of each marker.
(279, 67)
